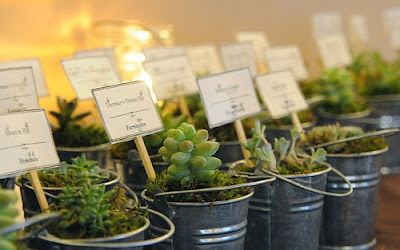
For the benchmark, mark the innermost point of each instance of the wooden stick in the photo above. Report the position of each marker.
(242, 138)
(184, 108)
(144, 155)
(297, 124)
(37, 187)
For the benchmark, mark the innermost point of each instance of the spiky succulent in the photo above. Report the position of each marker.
(8, 213)
(331, 133)
(70, 132)
(190, 154)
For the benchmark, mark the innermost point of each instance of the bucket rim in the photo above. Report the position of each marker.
(364, 113)
(288, 127)
(199, 204)
(100, 147)
(383, 98)
(358, 155)
(108, 183)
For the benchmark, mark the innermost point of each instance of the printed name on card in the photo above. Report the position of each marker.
(172, 77)
(204, 59)
(259, 39)
(158, 53)
(17, 90)
(26, 143)
(326, 23)
(127, 111)
(286, 58)
(86, 74)
(239, 55)
(334, 51)
(102, 52)
(280, 92)
(34, 63)
(228, 96)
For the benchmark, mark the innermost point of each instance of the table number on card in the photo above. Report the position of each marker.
(228, 96)
(158, 53)
(334, 51)
(280, 92)
(26, 143)
(34, 63)
(127, 111)
(17, 90)
(239, 55)
(172, 77)
(286, 58)
(86, 74)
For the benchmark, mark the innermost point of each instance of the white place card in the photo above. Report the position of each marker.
(390, 17)
(171, 77)
(358, 29)
(258, 38)
(34, 63)
(286, 58)
(158, 53)
(204, 59)
(17, 90)
(101, 52)
(26, 143)
(228, 96)
(326, 23)
(395, 35)
(239, 55)
(86, 74)
(334, 51)
(127, 111)
(280, 92)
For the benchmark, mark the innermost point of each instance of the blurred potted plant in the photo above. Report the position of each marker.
(208, 207)
(80, 172)
(73, 138)
(359, 160)
(8, 214)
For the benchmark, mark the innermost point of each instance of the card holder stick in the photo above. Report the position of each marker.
(37, 187)
(184, 108)
(242, 138)
(144, 155)
(297, 124)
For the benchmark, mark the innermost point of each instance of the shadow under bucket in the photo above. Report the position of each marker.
(349, 222)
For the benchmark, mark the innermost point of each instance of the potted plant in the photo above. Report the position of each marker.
(379, 82)
(92, 214)
(196, 196)
(73, 138)
(8, 214)
(350, 221)
(288, 216)
(80, 172)
(341, 102)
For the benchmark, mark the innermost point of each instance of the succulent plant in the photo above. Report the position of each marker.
(8, 213)
(330, 133)
(265, 117)
(70, 131)
(77, 174)
(339, 90)
(93, 212)
(190, 154)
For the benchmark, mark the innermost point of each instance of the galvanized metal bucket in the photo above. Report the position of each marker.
(288, 212)
(29, 200)
(349, 223)
(352, 119)
(228, 152)
(99, 153)
(284, 131)
(205, 225)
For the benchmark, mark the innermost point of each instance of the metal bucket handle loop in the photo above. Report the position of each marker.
(214, 189)
(118, 245)
(30, 221)
(278, 176)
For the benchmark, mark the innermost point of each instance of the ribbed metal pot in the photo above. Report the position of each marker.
(29, 200)
(99, 153)
(351, 119)
(229, 152)
(283, 216)
(284, 131)
(349, 222)
(205, 225)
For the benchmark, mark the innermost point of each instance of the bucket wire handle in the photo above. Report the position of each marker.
(118, 245)
(204, 190)
(278, 176)
(28, 222)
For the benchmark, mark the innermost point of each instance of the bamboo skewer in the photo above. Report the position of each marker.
(37, 187)
(242, 138)
(144, 155)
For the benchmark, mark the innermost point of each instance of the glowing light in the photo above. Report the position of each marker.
(144, 76)
(133, 57)
(142, 35)
(164, 34)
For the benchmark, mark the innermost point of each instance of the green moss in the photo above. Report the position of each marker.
(265, 118)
